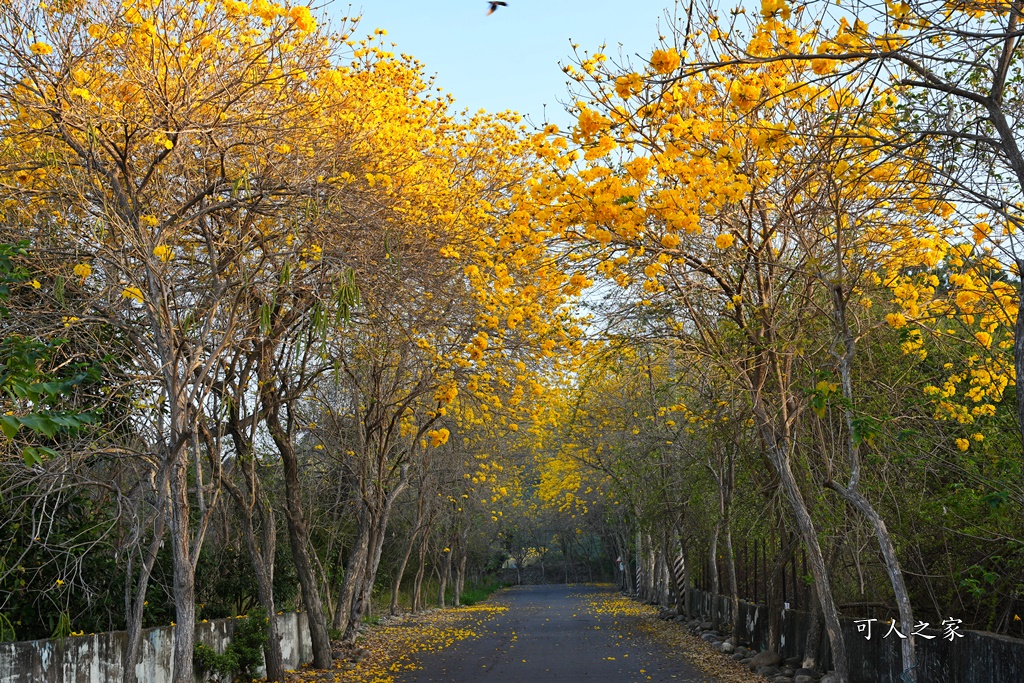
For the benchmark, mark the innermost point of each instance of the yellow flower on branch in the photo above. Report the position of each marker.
(896, 320)
(772, 8)
(132, 293)
(438, 437)
(41, 49)
(725, 240)
(163, 252)
(665, 61)
(304, 21)
(83, 270)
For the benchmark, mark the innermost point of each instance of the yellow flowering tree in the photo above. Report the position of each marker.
(149, 140)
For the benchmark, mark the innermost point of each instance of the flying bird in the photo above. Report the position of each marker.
(495, 5)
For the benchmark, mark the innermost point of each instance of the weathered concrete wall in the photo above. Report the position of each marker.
(98, 658)
(978, 657)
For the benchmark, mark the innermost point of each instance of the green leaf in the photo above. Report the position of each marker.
(68, 421)
(31, 456)
(53, 388)
(40, 423)
(9, 424)
(265, 313)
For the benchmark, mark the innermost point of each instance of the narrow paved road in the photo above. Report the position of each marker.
(554, 633)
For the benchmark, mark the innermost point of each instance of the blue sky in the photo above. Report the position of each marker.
(509, 60)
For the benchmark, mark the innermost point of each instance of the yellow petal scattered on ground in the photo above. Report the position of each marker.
(393, 645)
(644, 619)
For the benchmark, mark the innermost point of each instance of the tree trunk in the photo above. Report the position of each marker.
(135, 605)
(774, 602)
(822, 584)
(364, 599)
(417, 588)
(263, 566)
(353, 574)
(298, 535)
(650, 571)
(627, 572)
(443, 578)
(460, 576)
(401, 572)
(813, 635)
(640, 579)
(892, 568)
(716, 618)
(734, 590)
(852, 495)
(184, 576)
(729, 491)
(262, 553)
(665, 572)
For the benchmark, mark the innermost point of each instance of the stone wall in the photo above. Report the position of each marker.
(978, 657)
(98, 658)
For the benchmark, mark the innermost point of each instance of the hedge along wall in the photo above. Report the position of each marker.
(98, 658)
(978, 657)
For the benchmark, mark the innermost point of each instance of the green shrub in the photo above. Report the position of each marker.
(480, 592)
(242, 656)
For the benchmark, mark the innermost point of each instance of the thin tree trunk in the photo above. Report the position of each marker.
(135, 605)
(892, 569)
(734, 591)
(408, 551)
(363, 603)
(184, 575)
(298, 535)
(852, 495)
(263, 566)
(261, 554)
(353, 574)
(716, 618)
(730, 555)
(650, 574)
(641, 581)
(460, 578)
(775, 599)
(401, 572)
(666, 576)
(811, 645)
(822, 584)
(417, 588)
(443, 578)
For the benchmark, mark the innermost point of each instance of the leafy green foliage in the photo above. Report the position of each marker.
(242, 656)
(26, 378)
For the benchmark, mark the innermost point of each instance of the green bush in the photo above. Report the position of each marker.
(242, 656)
(480, 592)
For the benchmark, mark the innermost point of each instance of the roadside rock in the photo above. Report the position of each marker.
(766, 658)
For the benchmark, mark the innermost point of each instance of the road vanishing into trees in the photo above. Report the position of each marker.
(554, 633)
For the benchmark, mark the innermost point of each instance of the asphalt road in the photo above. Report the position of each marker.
(550, 633)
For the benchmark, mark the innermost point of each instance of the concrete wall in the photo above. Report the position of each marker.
(98, 658)
(978, 657)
